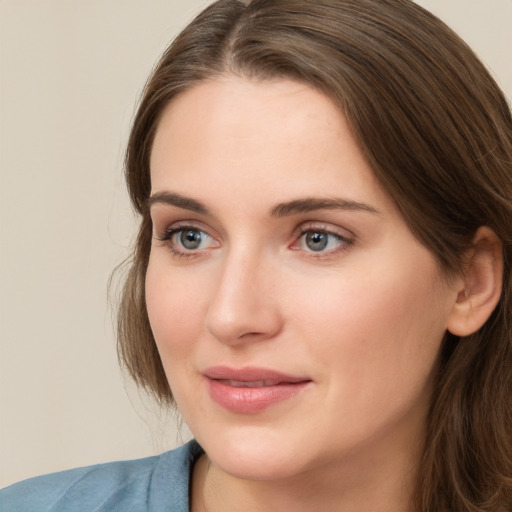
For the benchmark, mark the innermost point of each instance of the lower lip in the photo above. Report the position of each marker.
(245, 400)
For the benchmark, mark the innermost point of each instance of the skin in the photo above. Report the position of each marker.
(363, 319)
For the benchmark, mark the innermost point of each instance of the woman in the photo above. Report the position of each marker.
(322, 272)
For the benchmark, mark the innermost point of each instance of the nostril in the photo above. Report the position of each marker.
(245, 327)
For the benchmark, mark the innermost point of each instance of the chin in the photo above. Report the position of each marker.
(253, 455)
(247, 465)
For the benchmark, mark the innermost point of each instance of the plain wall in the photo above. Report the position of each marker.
(71, 72)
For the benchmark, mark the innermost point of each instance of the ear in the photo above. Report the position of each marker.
(482, 284)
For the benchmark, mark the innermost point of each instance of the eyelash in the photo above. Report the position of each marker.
(170, 232)
(345, 242)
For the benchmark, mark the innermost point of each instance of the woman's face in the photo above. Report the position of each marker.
(297, 318)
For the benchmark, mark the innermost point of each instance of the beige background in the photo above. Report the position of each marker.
(70, 74)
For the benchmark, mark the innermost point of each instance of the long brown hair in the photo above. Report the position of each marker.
(436, 130)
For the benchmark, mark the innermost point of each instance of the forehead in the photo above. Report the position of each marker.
(283, 135)
(242, 107)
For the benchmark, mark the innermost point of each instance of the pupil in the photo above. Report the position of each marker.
(316, 241)
(190, 239)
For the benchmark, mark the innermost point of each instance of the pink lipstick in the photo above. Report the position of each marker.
(251, 390)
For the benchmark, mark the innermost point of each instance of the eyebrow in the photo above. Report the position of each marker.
(311, 204)
(172, 199)
(296, 206)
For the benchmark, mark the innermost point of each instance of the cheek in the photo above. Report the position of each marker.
(377, 326)
(175, 306)
(375, 343)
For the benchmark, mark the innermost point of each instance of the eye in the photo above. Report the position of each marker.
(318, 241)
(190, 239)
(187, 241)
(321, 241)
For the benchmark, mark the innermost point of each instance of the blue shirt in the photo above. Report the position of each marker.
(153, 484)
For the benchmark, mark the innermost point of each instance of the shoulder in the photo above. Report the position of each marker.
(150, 484)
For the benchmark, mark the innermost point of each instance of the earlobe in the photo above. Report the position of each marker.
(482, 285)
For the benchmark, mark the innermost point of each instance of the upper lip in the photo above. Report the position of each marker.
(252, 374)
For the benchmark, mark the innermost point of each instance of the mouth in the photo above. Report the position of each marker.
(251, 384)
(252, 390)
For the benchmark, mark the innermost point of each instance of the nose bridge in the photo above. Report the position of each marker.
(242, 304)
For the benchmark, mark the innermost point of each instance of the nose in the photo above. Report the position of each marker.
(244, 304)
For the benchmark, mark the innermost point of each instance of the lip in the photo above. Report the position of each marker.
(250, 390)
